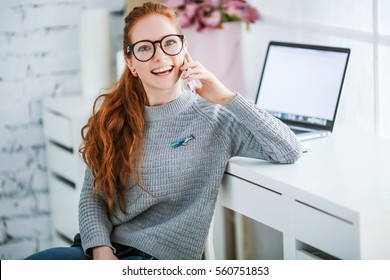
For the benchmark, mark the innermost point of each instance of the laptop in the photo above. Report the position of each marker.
(301, 85)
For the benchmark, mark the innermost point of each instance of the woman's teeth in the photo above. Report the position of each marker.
(162, 70)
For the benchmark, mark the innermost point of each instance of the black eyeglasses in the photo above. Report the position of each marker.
(144, 50)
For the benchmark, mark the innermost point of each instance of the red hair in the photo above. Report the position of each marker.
(113, 136)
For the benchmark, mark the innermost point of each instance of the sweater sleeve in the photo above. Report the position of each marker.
(257, 134)
(95, 226)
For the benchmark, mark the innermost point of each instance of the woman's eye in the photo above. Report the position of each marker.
(170, 43)
(143, 48)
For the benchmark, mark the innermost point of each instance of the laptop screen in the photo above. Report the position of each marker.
(302, 84)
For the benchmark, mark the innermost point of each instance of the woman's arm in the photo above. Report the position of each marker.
(260, 135)
(95, 226)
(250, 131)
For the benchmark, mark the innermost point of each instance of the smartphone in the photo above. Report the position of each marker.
(191, 84)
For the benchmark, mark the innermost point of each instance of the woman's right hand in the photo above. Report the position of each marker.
(212, 89)
(103, 253)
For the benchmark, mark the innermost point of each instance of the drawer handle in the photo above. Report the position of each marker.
(64, 180)
(58, 145)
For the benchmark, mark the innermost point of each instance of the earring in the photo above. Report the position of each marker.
(134, 72)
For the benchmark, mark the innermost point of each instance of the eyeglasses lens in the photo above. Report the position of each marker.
(171, 45)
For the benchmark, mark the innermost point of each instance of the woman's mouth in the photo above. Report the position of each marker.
(162, 71)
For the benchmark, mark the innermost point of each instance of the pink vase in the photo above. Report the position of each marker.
(219, 51)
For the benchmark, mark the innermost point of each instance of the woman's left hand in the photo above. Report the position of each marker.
(212, 89)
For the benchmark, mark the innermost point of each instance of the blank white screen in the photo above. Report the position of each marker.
(302, 81)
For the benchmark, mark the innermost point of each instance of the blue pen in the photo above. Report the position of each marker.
(182, 142)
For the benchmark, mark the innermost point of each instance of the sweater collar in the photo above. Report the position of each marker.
(155, 113)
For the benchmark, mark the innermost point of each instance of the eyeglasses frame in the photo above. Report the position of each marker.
(130, 48)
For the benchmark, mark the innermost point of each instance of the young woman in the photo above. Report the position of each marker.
(156, 152)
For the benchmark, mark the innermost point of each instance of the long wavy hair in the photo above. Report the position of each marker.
(113, 137)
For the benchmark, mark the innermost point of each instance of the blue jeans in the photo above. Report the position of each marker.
(75, 252)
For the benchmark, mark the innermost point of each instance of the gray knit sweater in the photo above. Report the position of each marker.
(173, 223)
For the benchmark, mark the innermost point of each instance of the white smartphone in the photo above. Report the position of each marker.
(191, 84)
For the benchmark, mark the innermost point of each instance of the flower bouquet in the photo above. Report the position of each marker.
(212, 14)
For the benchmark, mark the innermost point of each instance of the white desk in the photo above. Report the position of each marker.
(335, 199)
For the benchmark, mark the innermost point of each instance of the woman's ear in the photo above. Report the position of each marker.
(130, 65)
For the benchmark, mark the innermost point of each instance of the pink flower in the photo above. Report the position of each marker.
(240, 10)
(208, 16)
(251, 15)
(234, 8)
(186, 14)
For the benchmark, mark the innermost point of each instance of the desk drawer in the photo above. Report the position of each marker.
(253, 201)
(57, 128)
(62, 162)
(324, 231)
(64, 206)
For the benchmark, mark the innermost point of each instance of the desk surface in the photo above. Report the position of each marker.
(347, 173)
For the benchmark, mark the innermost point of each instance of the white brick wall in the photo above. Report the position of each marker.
(39, 57)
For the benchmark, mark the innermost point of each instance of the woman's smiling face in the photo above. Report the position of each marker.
(161, 73)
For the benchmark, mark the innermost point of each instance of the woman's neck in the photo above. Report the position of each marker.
(170, 109)
(161, 97)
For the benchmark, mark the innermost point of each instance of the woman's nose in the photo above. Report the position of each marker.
(159, 52)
